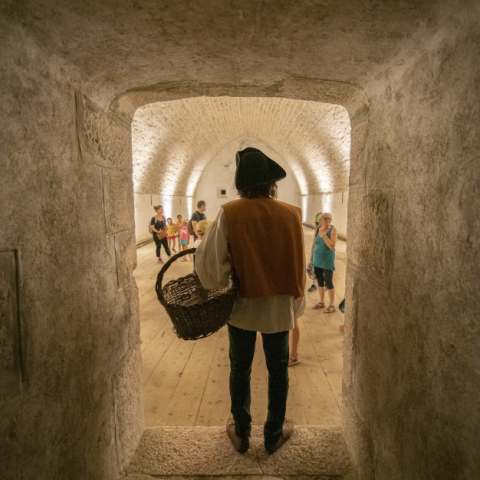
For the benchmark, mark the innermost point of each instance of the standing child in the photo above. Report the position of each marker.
(178, 226)
(171, 233)
(184, 239)
(293, 341)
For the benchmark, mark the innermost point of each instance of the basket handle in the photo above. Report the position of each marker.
(161, 273)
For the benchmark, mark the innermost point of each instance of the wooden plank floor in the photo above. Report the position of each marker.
(186, 383)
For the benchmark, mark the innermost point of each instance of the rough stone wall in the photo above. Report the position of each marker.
(71, 397)
(411, 380)
(115, 47)
(174, 141)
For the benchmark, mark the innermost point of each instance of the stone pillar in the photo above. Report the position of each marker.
(105, 141)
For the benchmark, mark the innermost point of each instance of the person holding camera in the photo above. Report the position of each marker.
(312, 276)
(323, 259)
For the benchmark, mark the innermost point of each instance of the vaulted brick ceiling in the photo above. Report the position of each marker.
(173, 142)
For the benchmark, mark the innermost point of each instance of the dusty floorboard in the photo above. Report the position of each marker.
(186, 383)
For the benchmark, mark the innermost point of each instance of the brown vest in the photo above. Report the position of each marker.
(266, 246)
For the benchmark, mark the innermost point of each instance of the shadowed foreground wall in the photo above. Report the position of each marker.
(411, 359)
(73, 406)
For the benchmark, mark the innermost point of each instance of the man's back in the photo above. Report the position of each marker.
(266, 245)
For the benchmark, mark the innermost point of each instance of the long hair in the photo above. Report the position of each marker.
(268, 190)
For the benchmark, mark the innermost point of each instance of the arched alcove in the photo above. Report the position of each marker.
(314, 92)
(219, 175)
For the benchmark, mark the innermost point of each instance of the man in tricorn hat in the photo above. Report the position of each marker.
(271, 273)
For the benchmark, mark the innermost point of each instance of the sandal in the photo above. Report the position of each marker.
(293, 360)
(329, 309)
(319, 305)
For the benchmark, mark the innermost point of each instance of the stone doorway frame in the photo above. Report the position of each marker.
(105, 140)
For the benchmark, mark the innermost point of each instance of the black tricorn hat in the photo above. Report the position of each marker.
(255, 168)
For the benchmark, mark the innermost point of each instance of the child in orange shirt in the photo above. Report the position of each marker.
(171, 234)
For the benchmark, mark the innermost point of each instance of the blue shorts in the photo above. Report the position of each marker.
(183, 242)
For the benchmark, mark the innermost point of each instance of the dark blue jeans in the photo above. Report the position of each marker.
(242, 350)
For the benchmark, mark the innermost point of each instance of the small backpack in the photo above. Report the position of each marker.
(191, 231)
(150, 231)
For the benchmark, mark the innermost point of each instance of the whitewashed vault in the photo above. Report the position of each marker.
(174, 141)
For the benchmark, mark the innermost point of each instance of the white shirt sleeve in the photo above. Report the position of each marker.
(212, 260)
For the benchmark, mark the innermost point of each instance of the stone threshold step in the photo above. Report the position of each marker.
(141, 476)
(317, 451)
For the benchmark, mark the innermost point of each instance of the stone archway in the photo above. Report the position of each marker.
(105, 140)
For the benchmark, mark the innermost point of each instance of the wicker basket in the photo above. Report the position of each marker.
(199, 320)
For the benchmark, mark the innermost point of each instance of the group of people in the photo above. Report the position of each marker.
(166, 233)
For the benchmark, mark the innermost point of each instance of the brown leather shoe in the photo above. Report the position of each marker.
(287, 431)
(241, 444)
